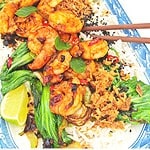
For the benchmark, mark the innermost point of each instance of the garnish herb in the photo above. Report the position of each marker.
(61, 45)
(25, 11)
(78, 65)
(2, 4)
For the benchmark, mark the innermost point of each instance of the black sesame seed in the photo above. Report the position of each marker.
(5, 42)
(62, 58)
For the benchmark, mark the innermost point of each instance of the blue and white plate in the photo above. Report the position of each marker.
(9, 138)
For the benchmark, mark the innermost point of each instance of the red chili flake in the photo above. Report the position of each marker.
(45, 23)
(112, 58)
(46, 79)
(83, 82)
(69, 105)
(52, 87)
(74, 39)
(57, 98)
(61, 27)
(94, 41)
(9, 62)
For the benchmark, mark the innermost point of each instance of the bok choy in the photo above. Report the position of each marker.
(140, 101)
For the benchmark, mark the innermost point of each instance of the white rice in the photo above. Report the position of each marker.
(102, 138)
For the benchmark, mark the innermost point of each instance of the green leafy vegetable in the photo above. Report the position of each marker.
(78, 65)
(45, 120)
(64, 135)
(2, 4)
(113, 49)
(25, 11)
(20, 57)
(36, 89)
(140, 105)
(60, 45)
(15, 79)
(19, 52)
(18, 62)
(66, 139)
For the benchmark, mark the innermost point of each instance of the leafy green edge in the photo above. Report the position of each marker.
(25, 11)
(61, 45)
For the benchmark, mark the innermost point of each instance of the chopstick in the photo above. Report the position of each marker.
(117, 27)
(120, 27)
(124, 39)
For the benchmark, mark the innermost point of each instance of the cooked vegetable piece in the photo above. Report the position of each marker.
(15, 79)
(36, 89)
(63, 135)
(139, 111)
(21, 61)
(18, 53)
(45, 120)
(21, 50)
(20, 57)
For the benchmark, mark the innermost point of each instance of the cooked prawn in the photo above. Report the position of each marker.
(24, 3)
(41, 42)
(81, 116)
(7, 24)
(72, 39)
(66, 100)
(94, 49)
(82, 78)
(45, 7)
(65, 21)
(59, 65)
(63, 100)
(41, 59)
(54, 3)
(28, 24)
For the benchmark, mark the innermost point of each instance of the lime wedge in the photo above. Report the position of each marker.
(13, 107)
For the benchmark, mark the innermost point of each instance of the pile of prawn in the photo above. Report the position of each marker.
(78, 97)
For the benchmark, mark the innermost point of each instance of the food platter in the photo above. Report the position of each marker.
(9, 138)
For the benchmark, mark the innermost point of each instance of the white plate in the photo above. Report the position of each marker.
(9, 138)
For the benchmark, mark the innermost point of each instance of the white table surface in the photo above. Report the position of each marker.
(138, 12)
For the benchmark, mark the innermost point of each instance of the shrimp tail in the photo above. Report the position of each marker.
(40, 60)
